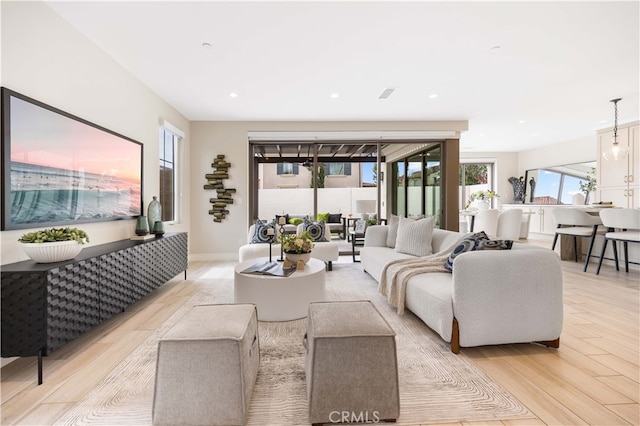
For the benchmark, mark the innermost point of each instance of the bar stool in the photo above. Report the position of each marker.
(627, 221)
(577, 223)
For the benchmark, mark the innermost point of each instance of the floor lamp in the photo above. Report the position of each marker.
(364, 207)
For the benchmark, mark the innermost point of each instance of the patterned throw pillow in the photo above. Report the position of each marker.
(470, 243)
(260, 232)
(316, 230)
(477, 241)
(495, 245)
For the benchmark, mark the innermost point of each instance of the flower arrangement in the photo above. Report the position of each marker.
(590, 184)
(53, 235)
(482, 195)
(296, 244)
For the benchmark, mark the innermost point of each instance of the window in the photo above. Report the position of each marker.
(570, 187)
(287, 168)
(337, 169)
(169, 148)
(553, 187)
(474, 177)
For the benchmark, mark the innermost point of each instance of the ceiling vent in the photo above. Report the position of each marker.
(386, 93)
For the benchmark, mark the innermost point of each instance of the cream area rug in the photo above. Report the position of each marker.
(435, 385)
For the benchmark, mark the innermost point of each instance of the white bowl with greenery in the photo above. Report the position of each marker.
(53, 244)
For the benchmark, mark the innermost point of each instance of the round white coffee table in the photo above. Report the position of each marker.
(280, 298)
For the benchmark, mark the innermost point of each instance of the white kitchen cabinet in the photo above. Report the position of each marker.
(619, 181)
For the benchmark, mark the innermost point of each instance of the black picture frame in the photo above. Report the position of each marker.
(59, 169)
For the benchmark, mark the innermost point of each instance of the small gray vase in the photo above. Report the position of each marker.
(154, 212)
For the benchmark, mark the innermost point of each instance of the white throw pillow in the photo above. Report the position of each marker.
(392, 232)
(414, 236)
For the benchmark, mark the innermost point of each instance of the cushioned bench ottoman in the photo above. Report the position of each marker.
(351, 365)
(207, 366)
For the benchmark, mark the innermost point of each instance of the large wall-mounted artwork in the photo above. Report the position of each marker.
(58, 169)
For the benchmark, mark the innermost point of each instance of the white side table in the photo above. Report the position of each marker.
(280, 298)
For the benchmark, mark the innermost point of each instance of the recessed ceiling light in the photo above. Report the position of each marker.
(334, 95)
(433, 96)
(521, 122)
(206, 45)
(603, 121)
(233, 95)
(495, 48)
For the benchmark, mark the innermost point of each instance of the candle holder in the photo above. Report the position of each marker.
(272, 236)
(281, 245)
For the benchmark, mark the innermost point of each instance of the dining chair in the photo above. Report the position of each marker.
(577, 223)
(509, 224)
(487, 221)
(622, 225)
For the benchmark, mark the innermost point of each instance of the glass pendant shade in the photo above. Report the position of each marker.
(617, 151)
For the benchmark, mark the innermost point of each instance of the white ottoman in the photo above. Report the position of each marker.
(207, 366)
(351, 364)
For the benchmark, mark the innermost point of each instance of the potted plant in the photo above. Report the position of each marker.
(53, 244)
(297, 247)
(482, 198)
(590, 185)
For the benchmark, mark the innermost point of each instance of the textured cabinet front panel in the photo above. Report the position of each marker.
(73, 305)
(116, 282)
(23, 313)
(174, 256)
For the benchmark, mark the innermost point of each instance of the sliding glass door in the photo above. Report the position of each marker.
(417, 185)
(432, 183)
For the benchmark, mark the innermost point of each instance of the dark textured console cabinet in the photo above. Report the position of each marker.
(46, 305)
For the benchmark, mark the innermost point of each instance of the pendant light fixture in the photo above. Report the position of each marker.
(616, 152)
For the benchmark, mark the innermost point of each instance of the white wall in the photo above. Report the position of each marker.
(300, 201)
(43, 57)
(573, 151)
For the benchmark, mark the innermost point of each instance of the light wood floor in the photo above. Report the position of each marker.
(592, 379)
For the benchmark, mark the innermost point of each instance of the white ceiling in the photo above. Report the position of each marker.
(553, 65)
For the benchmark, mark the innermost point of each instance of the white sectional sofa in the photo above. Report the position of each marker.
(327, 251)
(491, 297)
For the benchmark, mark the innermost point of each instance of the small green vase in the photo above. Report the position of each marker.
(142, 226)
